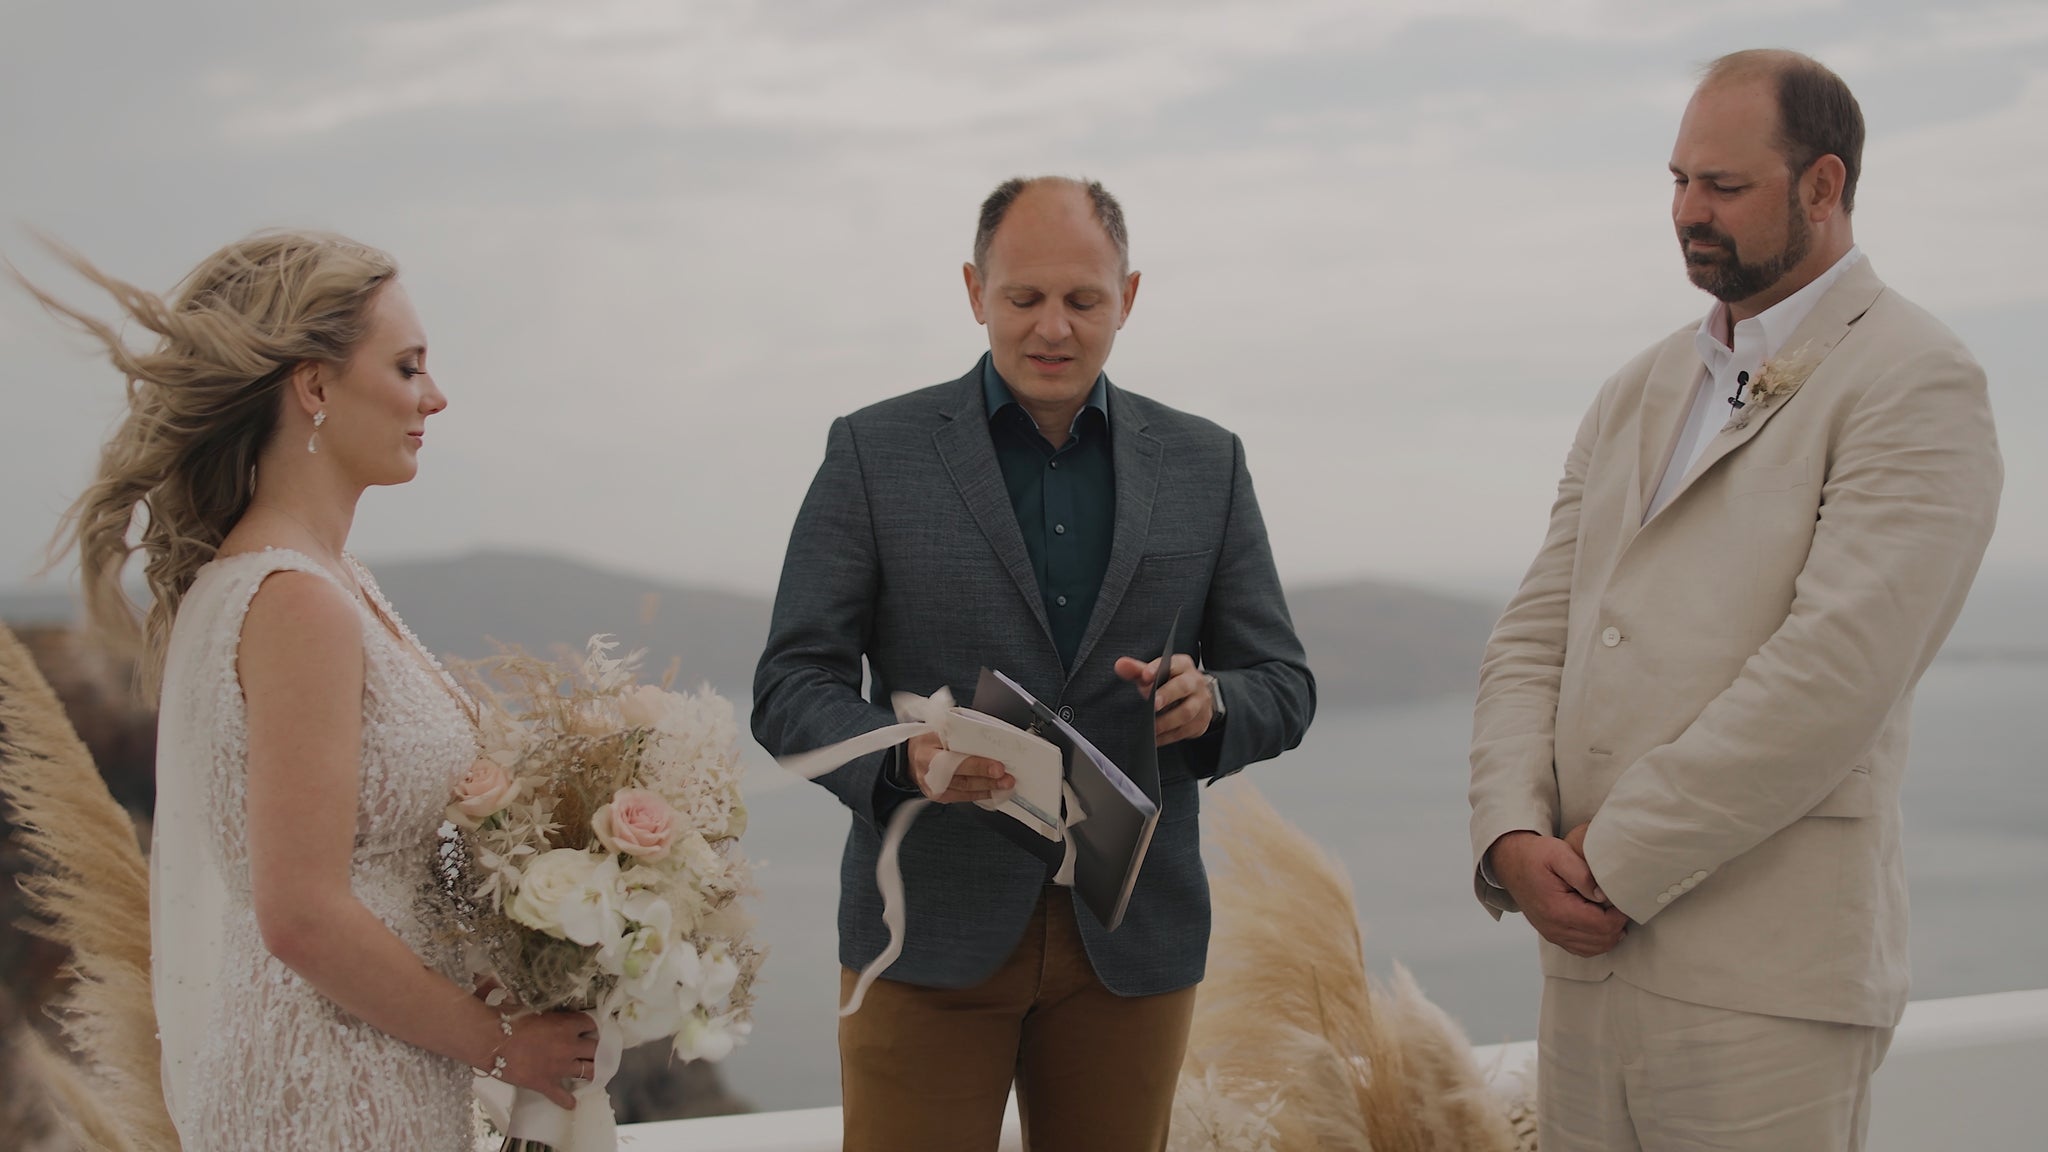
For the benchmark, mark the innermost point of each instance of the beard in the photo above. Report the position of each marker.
(1726, 276)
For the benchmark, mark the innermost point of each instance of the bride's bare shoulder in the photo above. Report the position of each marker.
(299, 618)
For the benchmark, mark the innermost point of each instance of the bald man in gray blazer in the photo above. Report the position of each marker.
(1033, 517)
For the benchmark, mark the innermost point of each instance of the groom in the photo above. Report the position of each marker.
(1692, 719)
(1030, 517)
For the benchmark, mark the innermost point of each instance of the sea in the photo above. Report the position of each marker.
(1384, 791)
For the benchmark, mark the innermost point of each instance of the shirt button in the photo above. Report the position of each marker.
(1611, 637)
(1054, 465)
(1067, 714)
(1061, 601)
(1059, 529)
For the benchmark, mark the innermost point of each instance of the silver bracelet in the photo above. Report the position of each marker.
(497, 1070)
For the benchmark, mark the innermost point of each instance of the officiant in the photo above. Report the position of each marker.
(1034, 518)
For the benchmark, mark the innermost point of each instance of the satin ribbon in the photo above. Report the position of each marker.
(524, 1114)
(916, 715)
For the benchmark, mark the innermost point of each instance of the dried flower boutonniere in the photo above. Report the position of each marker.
(1774, 381)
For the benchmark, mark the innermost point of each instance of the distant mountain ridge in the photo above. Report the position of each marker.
(1371, 642)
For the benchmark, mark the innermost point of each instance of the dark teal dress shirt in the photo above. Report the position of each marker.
(1065, 499)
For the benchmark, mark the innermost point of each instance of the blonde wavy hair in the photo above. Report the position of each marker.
(202, 406)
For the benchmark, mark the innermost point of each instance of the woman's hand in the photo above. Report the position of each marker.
(547, 1049)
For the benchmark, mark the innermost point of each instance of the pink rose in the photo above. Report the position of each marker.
(636, 822)
(484, 792)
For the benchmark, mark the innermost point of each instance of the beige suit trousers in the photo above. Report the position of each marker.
(1624, 1070)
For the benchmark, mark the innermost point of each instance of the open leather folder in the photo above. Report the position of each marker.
(1119, 805)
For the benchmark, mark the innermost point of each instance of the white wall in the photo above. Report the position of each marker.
(1964, 1074)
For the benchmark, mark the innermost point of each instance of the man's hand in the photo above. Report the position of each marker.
(1556, 892)
(1183, 706)
(1576, 838)
(977, 778)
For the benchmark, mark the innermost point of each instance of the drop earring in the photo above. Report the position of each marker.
(313, 444)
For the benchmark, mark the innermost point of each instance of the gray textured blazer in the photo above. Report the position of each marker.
(907, 553)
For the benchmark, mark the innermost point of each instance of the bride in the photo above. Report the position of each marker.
(305, 989)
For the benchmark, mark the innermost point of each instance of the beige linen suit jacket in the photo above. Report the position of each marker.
(1724, 691)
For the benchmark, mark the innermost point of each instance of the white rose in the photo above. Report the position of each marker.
(643, 707)
(550, 882)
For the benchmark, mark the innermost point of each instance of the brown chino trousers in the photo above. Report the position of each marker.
(929, 1069)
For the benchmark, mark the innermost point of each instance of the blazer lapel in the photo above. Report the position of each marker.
(1816, 336)
(1136, 453)
(970, 458)
(1667, 401)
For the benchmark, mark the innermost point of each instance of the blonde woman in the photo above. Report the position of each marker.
(305, 995)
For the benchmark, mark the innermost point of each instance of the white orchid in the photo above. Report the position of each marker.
(721, 973)
(641, 1020)
(593, 916)
(706, 1037)
(644, 947)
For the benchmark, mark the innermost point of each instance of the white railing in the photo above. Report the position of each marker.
(1964, 1074)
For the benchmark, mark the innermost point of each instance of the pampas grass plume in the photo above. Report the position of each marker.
(90, 891)
(1289, 1007)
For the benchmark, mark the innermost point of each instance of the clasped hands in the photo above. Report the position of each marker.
(1183, 708)
(1551, 881)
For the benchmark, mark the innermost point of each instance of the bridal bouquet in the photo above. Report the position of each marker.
(592, 856)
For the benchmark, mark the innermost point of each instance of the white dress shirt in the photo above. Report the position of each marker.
(1757, 339)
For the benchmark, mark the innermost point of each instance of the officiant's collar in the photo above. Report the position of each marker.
(997, 391)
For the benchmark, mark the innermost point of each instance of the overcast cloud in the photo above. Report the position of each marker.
(658, 246)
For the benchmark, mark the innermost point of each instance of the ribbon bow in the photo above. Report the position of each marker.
(915, 716)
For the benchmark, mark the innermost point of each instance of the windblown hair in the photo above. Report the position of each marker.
(1817, 114)
(201, 408)
(1108, 213)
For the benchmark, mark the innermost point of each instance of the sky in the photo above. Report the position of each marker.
(657, 247)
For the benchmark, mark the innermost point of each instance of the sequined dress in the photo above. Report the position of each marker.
(256, 1058)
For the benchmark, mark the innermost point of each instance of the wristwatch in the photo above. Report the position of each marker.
(1215, 693)
(896, 771)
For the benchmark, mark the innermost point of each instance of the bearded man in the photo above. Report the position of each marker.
(1692, 719)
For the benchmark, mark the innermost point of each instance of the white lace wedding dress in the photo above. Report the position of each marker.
(254, 1057)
